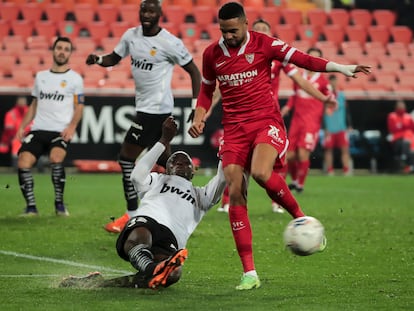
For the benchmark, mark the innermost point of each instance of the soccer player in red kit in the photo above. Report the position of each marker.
(305, 125)
(254, 133)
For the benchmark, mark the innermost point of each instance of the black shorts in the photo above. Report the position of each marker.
(163, 240)
(41, 142)
(146, 129)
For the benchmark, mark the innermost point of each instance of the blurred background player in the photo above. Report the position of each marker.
(305, 125)
(12, 120)
(293, 73)
(56, 110)
(154, 51)
(337, 124)
(400, 126)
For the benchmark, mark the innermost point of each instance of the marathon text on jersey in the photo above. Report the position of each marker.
(238, 78)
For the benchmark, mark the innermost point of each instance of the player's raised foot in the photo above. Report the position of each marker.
(60, 209)
(118, 224)
(92, 280)
(248, 282)
(30, 211)
(292, 186)
(163, 270)
(276, 208)
(224, 208)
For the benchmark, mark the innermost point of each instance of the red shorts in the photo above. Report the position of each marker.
(336, 140)
(303, 137)
(241, 138)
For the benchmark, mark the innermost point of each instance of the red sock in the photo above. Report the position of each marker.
(283, 171)
(225, 198)
(293, 169)
(279, 192)
(242, 234)
(303, 168)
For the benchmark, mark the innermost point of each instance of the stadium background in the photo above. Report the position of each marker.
(378, 33)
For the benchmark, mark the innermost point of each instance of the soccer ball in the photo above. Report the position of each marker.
(305, 236)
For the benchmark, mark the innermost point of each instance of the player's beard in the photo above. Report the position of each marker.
(60, 61)
(234, 43)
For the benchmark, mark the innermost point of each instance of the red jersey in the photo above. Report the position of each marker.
(244, 76)
(12, 121)
(309, 111)
(400, 125)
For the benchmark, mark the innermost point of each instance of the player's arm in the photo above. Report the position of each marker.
(195, 76)
(28, 117)
(106, 60)
(213, 190)
(140, 175)
(69, 131)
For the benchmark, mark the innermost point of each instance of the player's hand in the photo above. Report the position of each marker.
(169, 130)
(92, 59)
(330, 104)
(196, 129)
(191, 116)
(67, 133)
(360, 68)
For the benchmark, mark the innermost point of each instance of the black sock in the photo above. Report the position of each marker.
(130, 194)
(58, 180)
(26, 186)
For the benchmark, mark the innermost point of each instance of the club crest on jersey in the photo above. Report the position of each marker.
(273, 133)
(153, 51)
(63, 83)
(249, 58)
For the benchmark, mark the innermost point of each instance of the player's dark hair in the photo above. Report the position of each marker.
(231, 10)
(261, 21)
(313, 49)
(63, 39)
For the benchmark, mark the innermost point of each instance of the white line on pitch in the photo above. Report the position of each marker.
(63, 262)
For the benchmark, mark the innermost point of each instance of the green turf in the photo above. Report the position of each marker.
(368, 264)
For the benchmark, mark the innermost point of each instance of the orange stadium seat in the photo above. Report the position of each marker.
(47, 29)
(292, 17)
(68, 29)
(259, 4)
(309, 33)
(4, 28)
(84, 46)
(38, 43)
(356, 33)
(379, 33)
(8, 62)
(397, 50)
(67, 4)
(98, 30)
(361, 17)
(328, 48)
(22, 77)
(190, 31)
(317, 18)
(408, 66)
(84, 13)
(405, 81)
(387, 80)
(175, 14)
(129, 13)
(186, 4)
(286, 32)
(31, 11)
(401, 34)
(339, 17)
(201, 44)
(107, 13)
(211, 4)
(302, 45)
(30, 60)
(118, 28)
(204, 15)
(272, 15)
(252, 14)
(375, 49)
(352, 50)
(108, 44)
(55, 12)
(172, 28)
(384, 17)
(119, 73)
(14, 44)
(9, 11)
(389, 65)
(114, 2)
(22, 28)
(214, 31)
(334, 33)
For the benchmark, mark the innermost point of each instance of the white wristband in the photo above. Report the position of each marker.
(347, 70)
(99, 60)
(193, 103)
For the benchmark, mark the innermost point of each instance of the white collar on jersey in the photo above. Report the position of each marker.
(241, 50)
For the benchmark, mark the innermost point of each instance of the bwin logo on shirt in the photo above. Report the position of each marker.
(184, 195)
(53, 96)
(142, 64)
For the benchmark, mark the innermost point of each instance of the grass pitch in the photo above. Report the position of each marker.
(368, 264)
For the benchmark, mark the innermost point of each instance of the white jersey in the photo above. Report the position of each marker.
(56, 94)
(172, 200)
(152, 63)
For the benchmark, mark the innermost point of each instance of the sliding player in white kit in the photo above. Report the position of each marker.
(170, 209)
(154, 52)
(56, 110)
